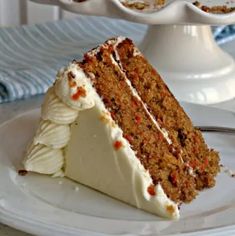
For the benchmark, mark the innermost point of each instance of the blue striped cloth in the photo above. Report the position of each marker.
(31, 55)
(224, 34)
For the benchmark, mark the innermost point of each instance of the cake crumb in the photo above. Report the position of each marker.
(105, 117)
(141, 5)
(136, 5)
(223, 9)
(227, 171)
(179, 205)
(79, 0)
(170, 209)
(22, 172)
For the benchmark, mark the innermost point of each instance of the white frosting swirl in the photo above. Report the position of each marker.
(67, 84)
(55, 110)
(44, 160)
(52, 135)
(45, 155)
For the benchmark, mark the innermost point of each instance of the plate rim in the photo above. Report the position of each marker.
(16, 222)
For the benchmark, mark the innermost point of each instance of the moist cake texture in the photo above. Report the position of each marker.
(155, 133)
(168, 161)
(143, 4)
(215, 9)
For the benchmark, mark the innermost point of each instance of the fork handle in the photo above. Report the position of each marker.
(218, 129)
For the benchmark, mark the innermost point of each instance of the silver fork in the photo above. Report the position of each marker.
(217, 129)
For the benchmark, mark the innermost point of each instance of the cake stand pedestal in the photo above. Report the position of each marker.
(179, 43)
(191, 63)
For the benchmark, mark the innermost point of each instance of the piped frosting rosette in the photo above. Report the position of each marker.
(71, 93)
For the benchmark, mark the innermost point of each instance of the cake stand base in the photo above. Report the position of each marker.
(193, 66)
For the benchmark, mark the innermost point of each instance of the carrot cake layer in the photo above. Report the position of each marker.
(167, 111)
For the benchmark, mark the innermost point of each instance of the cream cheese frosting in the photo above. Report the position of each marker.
(73, 138)
(52, 135)
(44, 160)
(67, 84)
(55, 110)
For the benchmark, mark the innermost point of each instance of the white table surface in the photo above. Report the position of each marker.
(10, 110)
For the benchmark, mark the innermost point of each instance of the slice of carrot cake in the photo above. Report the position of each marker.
(111, 123)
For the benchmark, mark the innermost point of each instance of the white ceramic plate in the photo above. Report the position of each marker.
(42, 205)
(174, 11)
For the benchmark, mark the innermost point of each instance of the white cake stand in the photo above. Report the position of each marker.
(179, 42)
